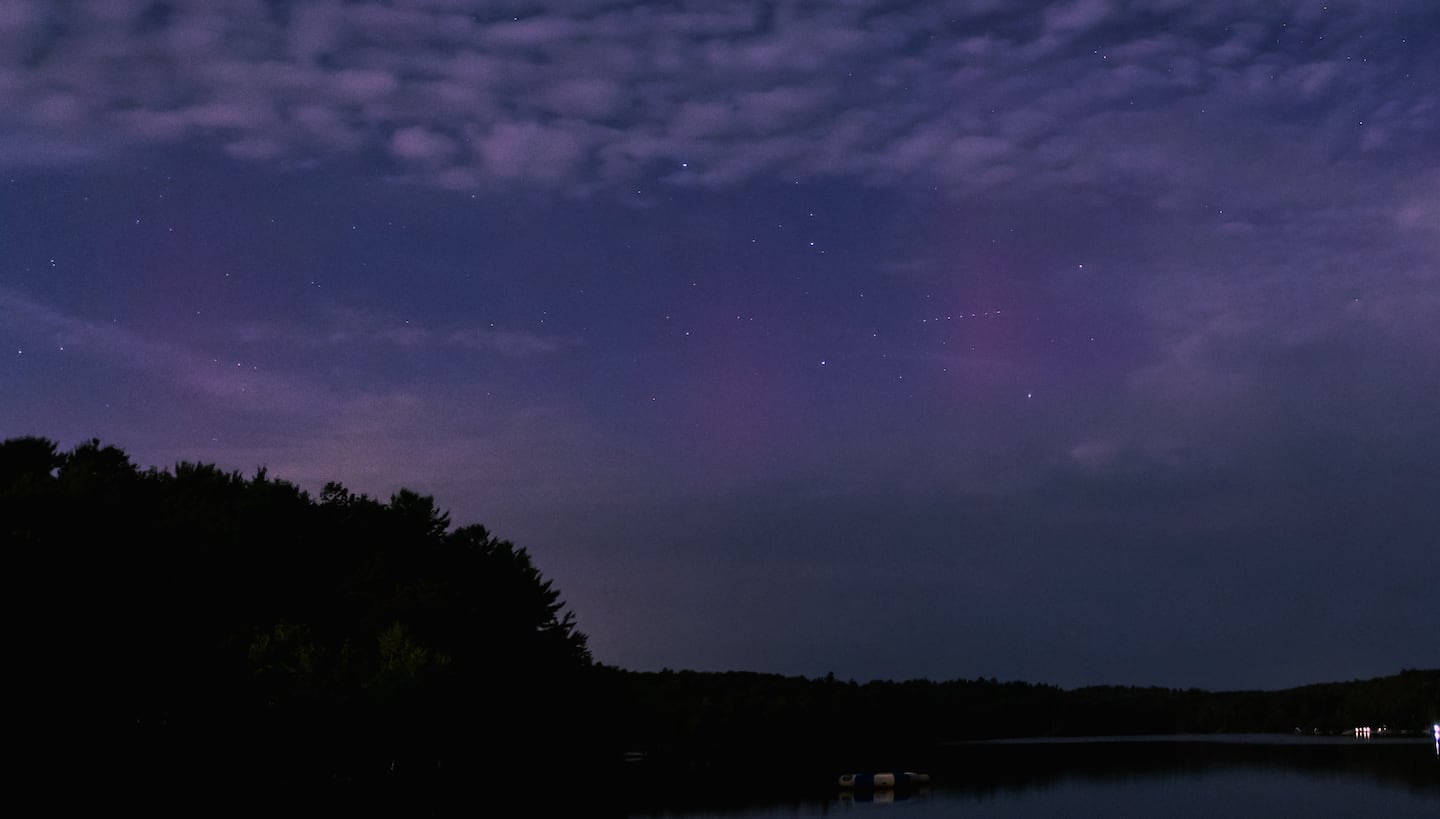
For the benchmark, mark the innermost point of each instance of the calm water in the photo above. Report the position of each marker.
(1174, 777)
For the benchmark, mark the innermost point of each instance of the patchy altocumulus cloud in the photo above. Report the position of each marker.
(1260, 145)
(969, 95)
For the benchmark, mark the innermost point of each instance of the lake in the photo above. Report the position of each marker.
(1202, 776)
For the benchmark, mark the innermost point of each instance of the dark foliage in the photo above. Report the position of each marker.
(719, 726)
(194, 624)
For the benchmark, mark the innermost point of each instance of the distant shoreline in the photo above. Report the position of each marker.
(1406, 737)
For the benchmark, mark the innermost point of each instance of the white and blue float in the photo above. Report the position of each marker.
(883, 781)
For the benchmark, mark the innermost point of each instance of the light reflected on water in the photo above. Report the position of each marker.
(1124, 778)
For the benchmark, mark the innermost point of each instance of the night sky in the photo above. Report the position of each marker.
(1079, 342)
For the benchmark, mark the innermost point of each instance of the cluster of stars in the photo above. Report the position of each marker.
(961, 316)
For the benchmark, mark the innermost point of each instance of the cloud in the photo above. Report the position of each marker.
(239, 382)
(590, 98)
(479, 456)
(420, 144)
(240, 386)
(530, 151)
(1077, 15)
(584, 97)
(354, 328)
(512, 343)
(457, 442)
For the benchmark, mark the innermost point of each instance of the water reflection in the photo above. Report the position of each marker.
(1173, 777)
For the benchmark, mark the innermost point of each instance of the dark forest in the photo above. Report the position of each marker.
(200, 623)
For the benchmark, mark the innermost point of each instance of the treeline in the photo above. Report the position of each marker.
(201, 623)
(193, 623)
(687, 708)
(719, 725)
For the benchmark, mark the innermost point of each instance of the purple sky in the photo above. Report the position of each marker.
(1075, 342)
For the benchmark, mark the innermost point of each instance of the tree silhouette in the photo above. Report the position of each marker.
(194, 624)
(194, 614)
(31, 460)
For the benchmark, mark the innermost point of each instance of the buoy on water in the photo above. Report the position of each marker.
(883, 781)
